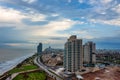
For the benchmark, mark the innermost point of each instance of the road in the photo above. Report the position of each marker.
(48, 70)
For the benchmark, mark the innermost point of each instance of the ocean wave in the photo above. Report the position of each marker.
(8, 65)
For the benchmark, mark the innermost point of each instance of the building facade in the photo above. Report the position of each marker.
(39, 48)
(73, 55)
(89, 50)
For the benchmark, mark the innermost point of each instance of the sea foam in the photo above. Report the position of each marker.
(8, 65)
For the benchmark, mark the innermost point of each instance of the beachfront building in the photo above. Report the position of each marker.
(89, 50)
(73, 55)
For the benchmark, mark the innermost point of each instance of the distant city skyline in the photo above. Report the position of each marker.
(25, 23)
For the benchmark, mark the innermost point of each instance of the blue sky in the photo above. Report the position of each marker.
(25, 23)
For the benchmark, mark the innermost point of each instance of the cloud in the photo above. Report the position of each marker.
(115, 22)
(57, 38)
(79, 32)
(106, 12)
(106, 1)
(28, 32)
(80, 1)
(19, 45)
(89, 37)
(95, 2)
(53, 27)
(116, 8)
(55, 15)
(37, 17)
(69, 1)
(13, 44)
(39, 20)
(102, 6)
(95, 8)
(10, 15)
(83, 34)
(29, 1)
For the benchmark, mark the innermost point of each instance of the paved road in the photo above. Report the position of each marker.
(47, 69)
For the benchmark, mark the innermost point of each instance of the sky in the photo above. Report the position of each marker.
(25, 23)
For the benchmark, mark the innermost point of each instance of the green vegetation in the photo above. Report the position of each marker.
(26, 65)
(23, 68)
(31, 76)
(110, 58)
(117, 61)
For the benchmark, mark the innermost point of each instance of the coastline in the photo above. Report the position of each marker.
(5, 74)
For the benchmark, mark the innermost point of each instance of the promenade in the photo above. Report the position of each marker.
(15, 74)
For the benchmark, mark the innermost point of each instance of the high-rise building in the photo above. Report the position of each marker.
(89, 53)
(39, 48)
(73, 55)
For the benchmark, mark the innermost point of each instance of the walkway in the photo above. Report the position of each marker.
(15, 74)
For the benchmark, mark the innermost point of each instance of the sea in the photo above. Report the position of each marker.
(9, 58)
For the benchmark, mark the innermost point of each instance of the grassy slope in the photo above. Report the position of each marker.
(23, 68)
(28, 65)
(31, 76)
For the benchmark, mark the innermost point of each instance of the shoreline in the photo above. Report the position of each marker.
(6, 73)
